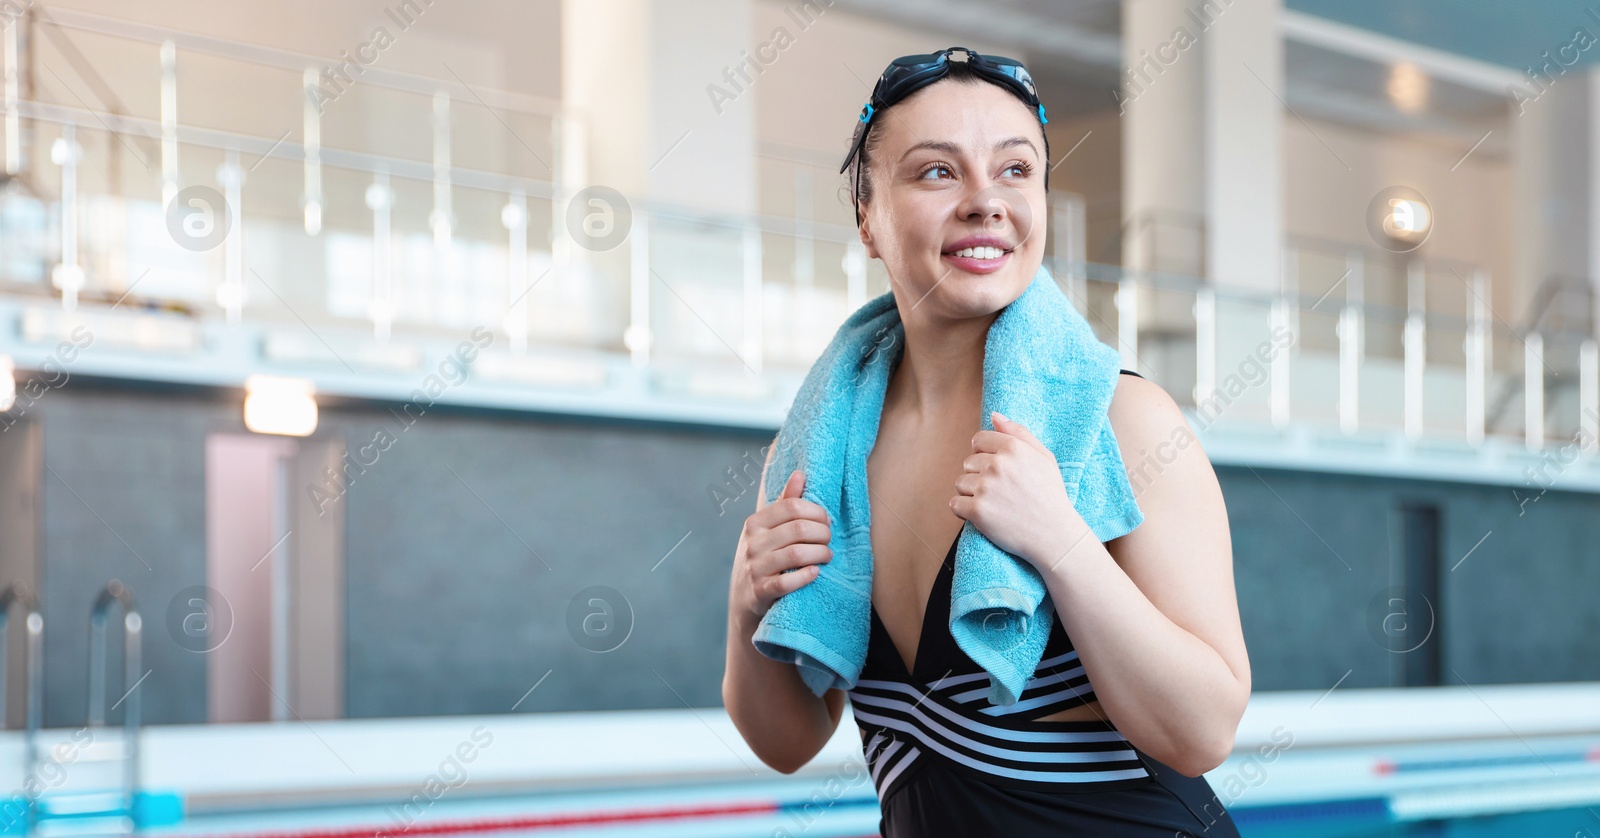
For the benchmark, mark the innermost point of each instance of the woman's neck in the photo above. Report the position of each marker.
(940, 372)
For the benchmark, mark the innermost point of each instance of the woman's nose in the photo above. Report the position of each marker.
(997, 207)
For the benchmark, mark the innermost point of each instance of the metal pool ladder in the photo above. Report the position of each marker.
(98, 811)
(18, 596)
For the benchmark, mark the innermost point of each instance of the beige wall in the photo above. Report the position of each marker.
(1094, 171)
(1472, 205)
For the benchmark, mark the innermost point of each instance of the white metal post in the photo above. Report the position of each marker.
(1415, 348)
(754, 308)
(1278, 393)
(1351, 328)
(855, 274)
(1589, 396)
(639, 337)
(231, 294)
(1205, 330)
(312, 119)
(379, 200)
(1533, 391)
(1127, 300)
(68, 274)
(439, 220)
(169, 122)
(1477, 360)
(515, 218)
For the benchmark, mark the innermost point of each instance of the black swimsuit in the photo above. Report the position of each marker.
(947, 762)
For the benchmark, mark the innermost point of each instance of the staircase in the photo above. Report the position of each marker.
(1562, 311)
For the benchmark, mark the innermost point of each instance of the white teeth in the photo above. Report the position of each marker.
(979, 252)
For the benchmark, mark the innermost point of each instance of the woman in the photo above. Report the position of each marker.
(948, 173)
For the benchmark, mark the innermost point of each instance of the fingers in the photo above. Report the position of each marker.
(789, 543)
(800, 531)
(795, 484)
(967, 484)
(1005, 434)
(789, 505)
(799, 554)
(1005, 423)
(991, 442)
(791, 567)
(784, 583)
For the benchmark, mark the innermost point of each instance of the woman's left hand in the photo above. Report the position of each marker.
(1011, 490)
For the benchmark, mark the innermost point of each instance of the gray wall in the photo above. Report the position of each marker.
(469, 538)
(1519, 607)
(123, 493)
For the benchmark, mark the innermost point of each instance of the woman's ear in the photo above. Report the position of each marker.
(866, 237)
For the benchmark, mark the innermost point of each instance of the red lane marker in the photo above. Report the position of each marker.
(1383, 766)
(525, 822)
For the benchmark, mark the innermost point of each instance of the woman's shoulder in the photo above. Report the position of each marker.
(1143, 414)
(1136, 390)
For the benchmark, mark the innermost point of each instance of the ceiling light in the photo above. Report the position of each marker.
(1408, 87)
(284, 406)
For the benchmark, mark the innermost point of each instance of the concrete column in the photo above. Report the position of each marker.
(663, 96)
(1202, 137)
(639, 73)
(1202, 161)
(1243, 53)
(1163, 131)
(1555, 178)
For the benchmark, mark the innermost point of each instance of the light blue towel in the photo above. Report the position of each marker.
(1042, 367)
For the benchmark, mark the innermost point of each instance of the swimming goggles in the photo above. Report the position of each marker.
(910, 73)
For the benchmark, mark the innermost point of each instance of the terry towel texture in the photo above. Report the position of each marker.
(1042, 367)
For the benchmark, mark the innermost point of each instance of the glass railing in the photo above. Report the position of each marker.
(748, 293)
(1252, 358)
(458, 221)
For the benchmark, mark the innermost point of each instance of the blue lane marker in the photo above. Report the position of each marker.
(1360, 809)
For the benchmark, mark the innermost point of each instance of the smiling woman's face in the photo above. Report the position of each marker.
(956, 165)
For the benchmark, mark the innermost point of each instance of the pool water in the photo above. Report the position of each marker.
(1554, 823)
(858, 818)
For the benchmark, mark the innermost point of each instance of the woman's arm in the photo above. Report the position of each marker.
(1153, 614)
(778, 715)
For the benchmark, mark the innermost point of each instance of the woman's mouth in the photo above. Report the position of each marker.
(978, 260)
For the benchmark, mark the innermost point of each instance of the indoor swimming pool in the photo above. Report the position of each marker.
(1350, 764)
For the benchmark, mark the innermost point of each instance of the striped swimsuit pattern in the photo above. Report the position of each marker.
(908, 718)
(950, 717)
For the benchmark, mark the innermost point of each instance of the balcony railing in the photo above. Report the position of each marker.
(336, 237)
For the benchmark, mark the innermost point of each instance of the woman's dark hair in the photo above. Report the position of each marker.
(860, 185)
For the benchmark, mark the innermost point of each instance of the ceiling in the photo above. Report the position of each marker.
(1074, 49)
(1510, 33)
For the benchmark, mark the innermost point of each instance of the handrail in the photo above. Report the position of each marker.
(286, 59)
(17, 595)
(117, 593)
(1150, 218)
(1322, 244)
(1551, 290)
(396, 167)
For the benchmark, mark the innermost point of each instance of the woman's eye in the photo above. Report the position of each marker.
(937, 167)
(1021, 169)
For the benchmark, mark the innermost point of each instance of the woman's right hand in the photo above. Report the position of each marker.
(790, 532)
